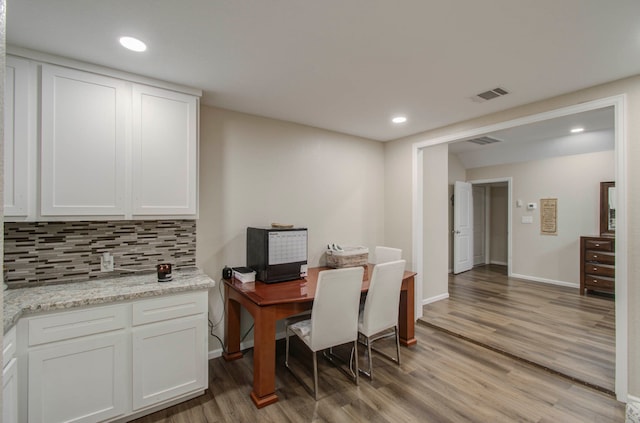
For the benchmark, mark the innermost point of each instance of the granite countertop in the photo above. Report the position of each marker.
(18, 302)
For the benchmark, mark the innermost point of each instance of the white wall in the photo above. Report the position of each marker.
(435, 279)
(575, 182)
(398, 164)
(396, 190)
(255, 171)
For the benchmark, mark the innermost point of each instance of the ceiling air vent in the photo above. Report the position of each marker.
(491, 94)
(484, 140)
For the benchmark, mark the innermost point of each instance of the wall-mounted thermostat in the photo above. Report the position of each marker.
(532, 206)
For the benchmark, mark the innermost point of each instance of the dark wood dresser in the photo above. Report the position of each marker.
(597, 264)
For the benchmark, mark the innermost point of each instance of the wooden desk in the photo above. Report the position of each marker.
(269, 303)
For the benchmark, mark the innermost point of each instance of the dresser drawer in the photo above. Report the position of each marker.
(598, 257)
(599, 283)
(600, 244)
(600, 270)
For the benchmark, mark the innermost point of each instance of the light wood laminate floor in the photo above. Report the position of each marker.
(550, 325)
(442, 379)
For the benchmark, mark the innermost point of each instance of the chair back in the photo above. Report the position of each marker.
(334, 315)
(387, 254)
(383, 299)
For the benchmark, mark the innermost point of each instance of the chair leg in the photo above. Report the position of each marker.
(315, 376)
(366, 343)
(369, 343)
(397, 344)
(339, 362)
(370, 357)
(355, 354)
(313, 392)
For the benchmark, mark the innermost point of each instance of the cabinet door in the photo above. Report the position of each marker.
(16, 137)
(164, 152)
(10, 392)
(83, 143)
(79, 381)
(169, 360)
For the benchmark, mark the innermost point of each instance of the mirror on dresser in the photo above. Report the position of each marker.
(607, 208)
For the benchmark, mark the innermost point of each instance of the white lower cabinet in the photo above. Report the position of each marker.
(9, 378)
(108, 362)
(79, 381)
(169, 360)
(10, 392)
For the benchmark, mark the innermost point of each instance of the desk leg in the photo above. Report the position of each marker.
(406, 317)
(231, 328)
(264, 357)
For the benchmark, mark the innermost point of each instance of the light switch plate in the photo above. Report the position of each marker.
(527, 219)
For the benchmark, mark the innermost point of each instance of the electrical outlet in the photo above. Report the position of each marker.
(106, 262)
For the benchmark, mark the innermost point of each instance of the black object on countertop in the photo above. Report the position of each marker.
(164, 272)
(227, 272)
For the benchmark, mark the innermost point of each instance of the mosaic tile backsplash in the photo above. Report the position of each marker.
(37, 253)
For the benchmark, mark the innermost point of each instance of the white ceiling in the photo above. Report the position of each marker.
(348, 65)
(540, 140)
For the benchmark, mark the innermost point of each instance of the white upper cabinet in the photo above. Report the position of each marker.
(164, 152)
(16, 138)
(84, 143)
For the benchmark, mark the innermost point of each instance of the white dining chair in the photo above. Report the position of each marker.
(387, 254)
(380, 311)
(334, 319)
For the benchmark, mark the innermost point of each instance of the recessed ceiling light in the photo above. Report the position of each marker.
(399, 119)
(133, 44)
(576, 130)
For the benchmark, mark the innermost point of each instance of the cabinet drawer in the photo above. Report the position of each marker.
(171, 307)
(599, 283)
(598, 257)
(600, 244)
(600, 270)
(73, 324)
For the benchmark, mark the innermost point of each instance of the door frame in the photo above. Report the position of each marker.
(509, 181)
(485, 223)
(620, 133)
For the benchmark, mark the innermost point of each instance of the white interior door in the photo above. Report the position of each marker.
(462, 227)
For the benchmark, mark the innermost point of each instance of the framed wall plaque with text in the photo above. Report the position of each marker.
(549, 216)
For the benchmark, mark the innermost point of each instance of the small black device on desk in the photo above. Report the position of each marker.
(277, 254)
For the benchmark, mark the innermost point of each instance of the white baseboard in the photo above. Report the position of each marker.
(243, 346)
(633, 409)
(434, 299)
(499, 263)
(544, 280)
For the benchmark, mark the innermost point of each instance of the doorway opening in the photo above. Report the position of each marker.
(489, 217)
(420, 238)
